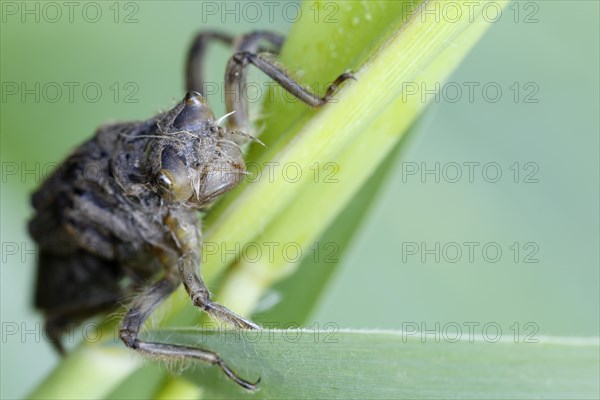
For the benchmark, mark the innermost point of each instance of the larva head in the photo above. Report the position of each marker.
(191, 159)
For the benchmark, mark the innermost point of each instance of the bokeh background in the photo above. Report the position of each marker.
(545, 124)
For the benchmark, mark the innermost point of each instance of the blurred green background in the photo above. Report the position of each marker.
(542, 55)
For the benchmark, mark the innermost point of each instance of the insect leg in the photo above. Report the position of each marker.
(194, 66)
(141, 309)
(188, 239)
(251, 42)
(235, 81)
(200, 295)
(194, 72)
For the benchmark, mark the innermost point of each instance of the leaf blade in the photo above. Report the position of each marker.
(391, 364)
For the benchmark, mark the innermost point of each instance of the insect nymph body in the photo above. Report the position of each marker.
(119, 216)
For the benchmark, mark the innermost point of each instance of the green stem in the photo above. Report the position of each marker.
(90, 372)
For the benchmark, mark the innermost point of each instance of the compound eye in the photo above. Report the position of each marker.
(163, 180)
(194, 113)
(172, 179)
(173, 186)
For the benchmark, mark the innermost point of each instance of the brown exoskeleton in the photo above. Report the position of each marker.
(120, 213)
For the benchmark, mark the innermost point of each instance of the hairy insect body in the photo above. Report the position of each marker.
(90, 231)
(119, 216)
(102, 215)
(105, 204)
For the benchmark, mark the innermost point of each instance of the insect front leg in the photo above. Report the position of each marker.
(194, 72)
(142, 307)
(188, 239)
(250, 42)
(140, 310)
(235, 83)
